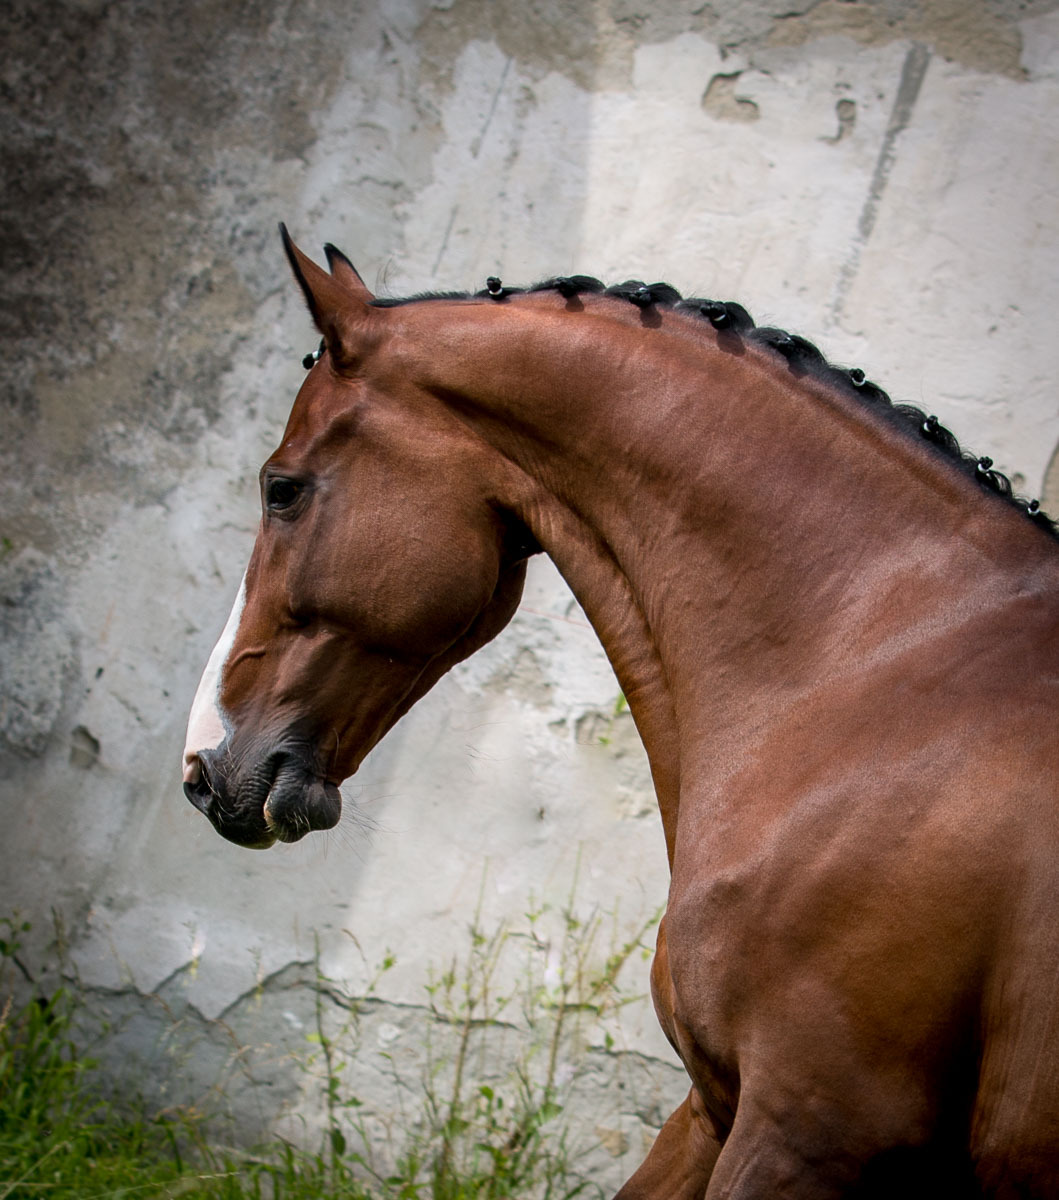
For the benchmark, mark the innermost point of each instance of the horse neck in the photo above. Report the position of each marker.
(731, 531)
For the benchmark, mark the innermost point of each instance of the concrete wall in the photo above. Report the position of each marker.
(877, 176)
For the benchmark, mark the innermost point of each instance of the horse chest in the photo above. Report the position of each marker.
(710, 974)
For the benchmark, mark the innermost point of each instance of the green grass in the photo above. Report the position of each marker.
(498, 1140)
(54, 1140)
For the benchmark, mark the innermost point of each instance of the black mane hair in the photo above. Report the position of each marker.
(802, 356)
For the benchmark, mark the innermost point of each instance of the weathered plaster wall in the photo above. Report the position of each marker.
(877, 176)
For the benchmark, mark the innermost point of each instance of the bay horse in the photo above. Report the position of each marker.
(839, 644)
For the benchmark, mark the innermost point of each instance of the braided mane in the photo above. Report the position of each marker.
(732, 320)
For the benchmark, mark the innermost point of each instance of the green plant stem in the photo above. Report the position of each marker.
(40, 1161)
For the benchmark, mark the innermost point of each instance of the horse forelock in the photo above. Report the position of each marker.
(731, 320)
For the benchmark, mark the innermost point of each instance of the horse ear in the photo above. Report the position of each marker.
(346, 273)
(334, 305)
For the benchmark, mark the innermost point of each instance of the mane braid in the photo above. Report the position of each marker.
(399, 301)
(803, 358)
(569, 285)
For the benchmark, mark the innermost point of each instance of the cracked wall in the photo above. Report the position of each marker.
(258, 1069)
(877, 176)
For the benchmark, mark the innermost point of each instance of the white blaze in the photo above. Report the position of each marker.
(206, 724)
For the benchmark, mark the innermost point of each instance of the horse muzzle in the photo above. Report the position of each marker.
(280, 799)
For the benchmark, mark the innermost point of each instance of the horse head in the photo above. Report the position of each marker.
(386, 553)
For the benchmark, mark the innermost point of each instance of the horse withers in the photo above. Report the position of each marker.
(838, 637)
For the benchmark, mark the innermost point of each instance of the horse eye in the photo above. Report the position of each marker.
(281, 493)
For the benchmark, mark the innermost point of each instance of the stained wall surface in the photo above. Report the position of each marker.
(880, 177)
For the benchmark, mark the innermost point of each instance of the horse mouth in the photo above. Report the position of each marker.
(282, 801)
(297, 806)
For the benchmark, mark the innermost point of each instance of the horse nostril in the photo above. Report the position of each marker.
(198, 791)
(192, 767)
